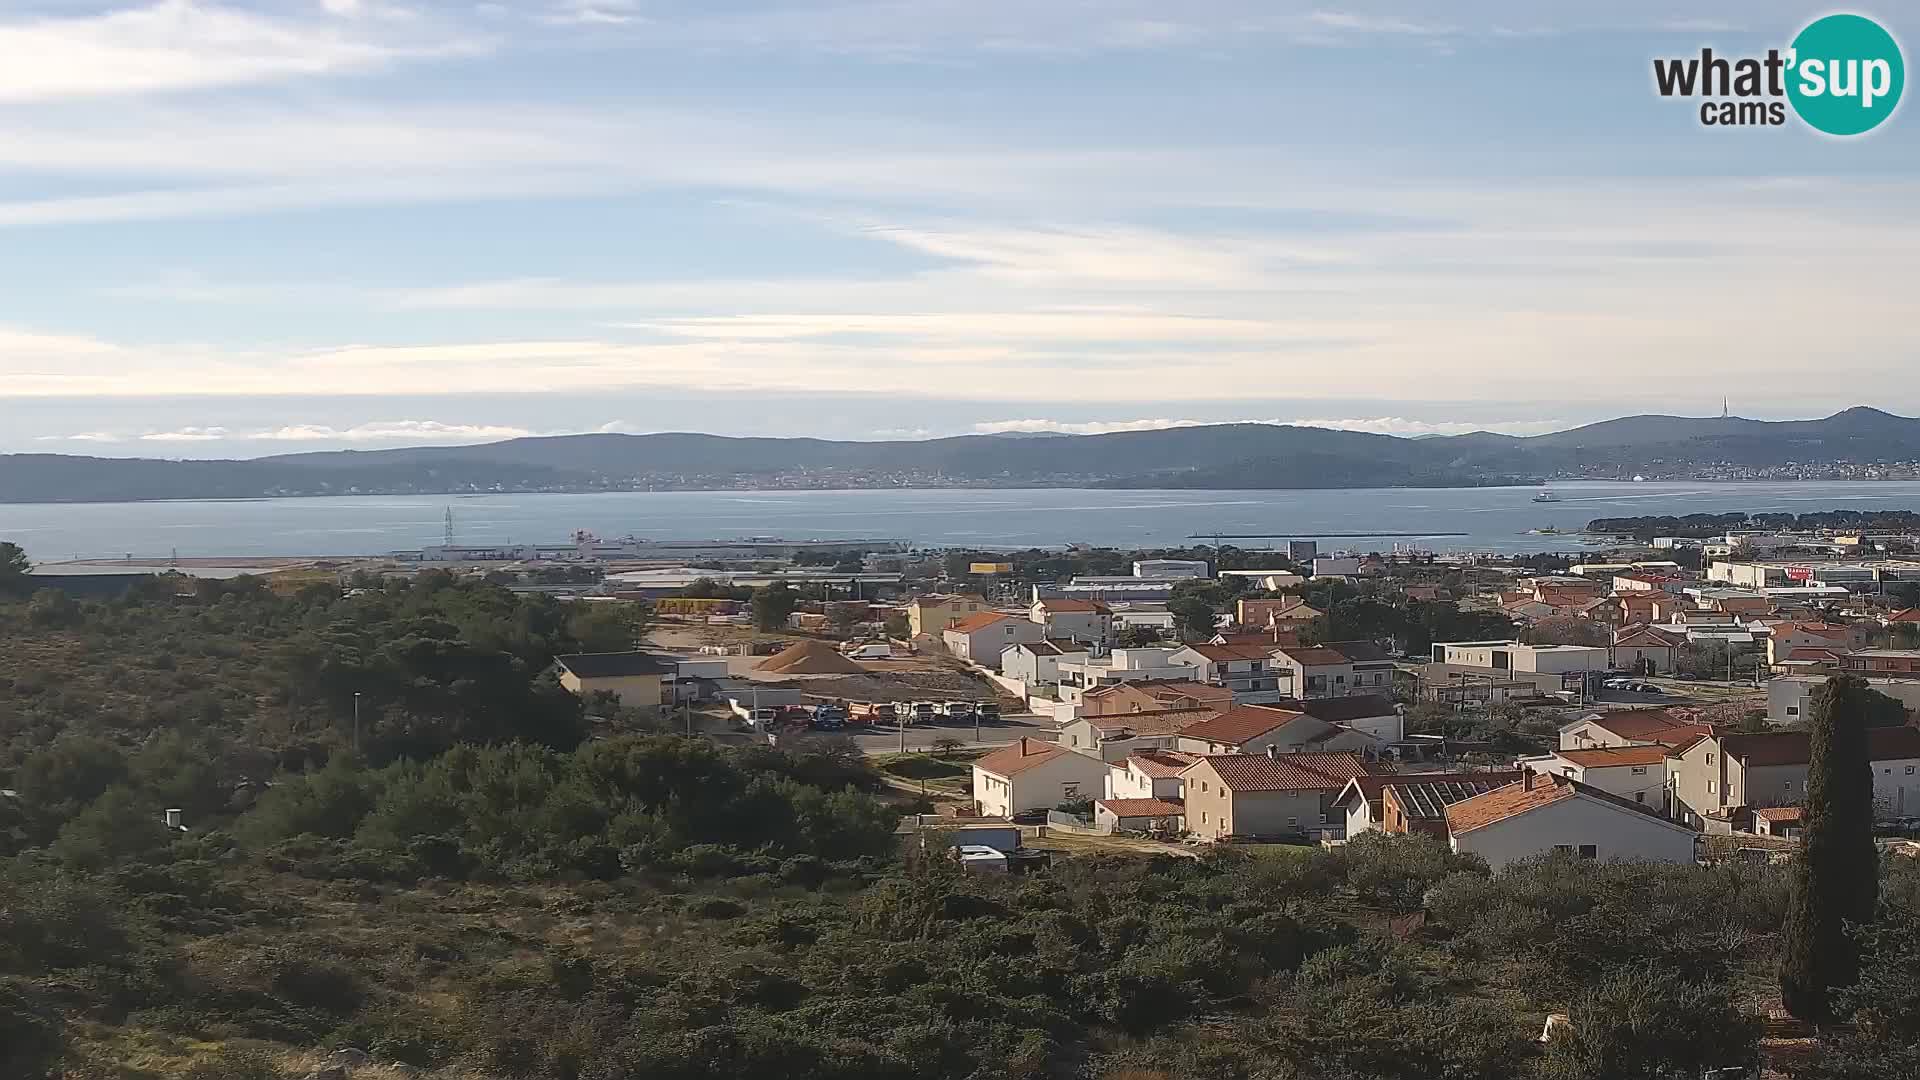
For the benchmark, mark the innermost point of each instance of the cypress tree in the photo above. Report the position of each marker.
(1836, 879)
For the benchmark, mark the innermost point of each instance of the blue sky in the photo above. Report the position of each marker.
(235, 228)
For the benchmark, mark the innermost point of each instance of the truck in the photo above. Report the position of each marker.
(959, 710)
(924, 712)
(874, 712)
(987, 712)
(828, 718)
(869, 652)
(755, 717)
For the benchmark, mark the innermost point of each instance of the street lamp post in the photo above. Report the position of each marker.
(356, 721)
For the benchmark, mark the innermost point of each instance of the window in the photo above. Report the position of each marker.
(1070, 792)
(1639, 770)
(1639, 796)
(1709, 757)
(1909, 770)
(1793, 710)
(1711, 787)
(1293, 823)
(1589, 851)
(1203, 817)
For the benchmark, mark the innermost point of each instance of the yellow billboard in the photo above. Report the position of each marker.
(991, 568)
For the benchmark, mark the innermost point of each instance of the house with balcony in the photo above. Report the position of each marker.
(1247, 670)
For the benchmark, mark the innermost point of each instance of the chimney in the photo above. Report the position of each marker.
(171, 817)
(1273, 751)
(1528, 779)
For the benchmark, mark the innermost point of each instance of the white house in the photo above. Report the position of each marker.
(1087, 621)
(1247, 670)
(1635, 773)
(1516, 656)
(1032, 775)
(1037, 663)
(1122, 666)
(1371, 714)
(1147, 774)
(981, 638)
(1540, 815)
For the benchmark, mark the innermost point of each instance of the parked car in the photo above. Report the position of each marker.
(869, 652)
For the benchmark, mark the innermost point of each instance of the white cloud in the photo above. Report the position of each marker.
(1088, 427)
(187, 434)
(1404, 425)
(390, 431)
(172, 45)
(903, 433)
(82, 436)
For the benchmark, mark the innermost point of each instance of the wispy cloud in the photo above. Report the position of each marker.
(172, 45)
(186, 434)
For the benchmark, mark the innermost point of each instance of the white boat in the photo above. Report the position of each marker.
(1546, 496)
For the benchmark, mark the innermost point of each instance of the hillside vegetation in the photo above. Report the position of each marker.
(483, 891)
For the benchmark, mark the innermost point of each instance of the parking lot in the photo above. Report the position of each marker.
(886, 738)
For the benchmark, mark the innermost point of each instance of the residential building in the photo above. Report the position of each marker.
(1456, 683)
(1261, 795)
(1635, 773)
(1374, 715)
(1114, 738)
(1538, 815)
(982, 637)
(1789, 697)
(1417, 804)
(1037, 663)
(1515, 656)
(1132, 697)
(1033, 775)
(1787, 636)
(635, 678)
(1264, 637)
(1138, 815)
(1170, 568)
(1371, 671)
(1888, 663)
(1288, 613)
(1243, 669)
(1335, 566)
(1646, 650)
(1783, 822)
(1361, 799)
(934, 612)
(1632, 727)
(1147, 774)
(1122, 666)
(1086, 621)
(1718, 774)
(1258, 729)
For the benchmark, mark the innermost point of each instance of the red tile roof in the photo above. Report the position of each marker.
(1153, 721)
(1284, 772)
(1223, 653)
(1130, 808)
(1502, 803)
(1241, 723)
(1609, 756)
(1905, 615)
(1652, 725)
(1778, 813)
(1314, 656)
(1161, 763)
(1795, 747)
(1009, 761)
(974, 623)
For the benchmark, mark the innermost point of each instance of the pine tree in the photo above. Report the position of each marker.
(1837, 876)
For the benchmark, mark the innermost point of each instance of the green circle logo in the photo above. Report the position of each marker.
(1846, 74)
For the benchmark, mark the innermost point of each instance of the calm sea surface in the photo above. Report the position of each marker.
(1491, 519)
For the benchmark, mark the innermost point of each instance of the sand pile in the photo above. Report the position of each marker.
(809, 658)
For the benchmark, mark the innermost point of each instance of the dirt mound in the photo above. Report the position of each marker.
(809, 658)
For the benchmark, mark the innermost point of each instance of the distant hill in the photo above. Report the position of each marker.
(1210, 456)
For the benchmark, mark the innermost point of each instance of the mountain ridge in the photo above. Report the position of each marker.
(1232, 455)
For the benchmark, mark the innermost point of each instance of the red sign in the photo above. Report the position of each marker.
(1799, 573)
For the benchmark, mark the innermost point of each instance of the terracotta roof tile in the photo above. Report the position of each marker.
(1153, 721)
(1609, 756)
(1314, 656)
(1284, 772)
(975, 623)
(1778, 813)
(1161, 764)
(1239, 724)
(1505, 802)
(1009, 761)
(1130, 808)
(1223, 653)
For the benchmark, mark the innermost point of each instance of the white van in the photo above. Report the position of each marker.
(870, 652)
